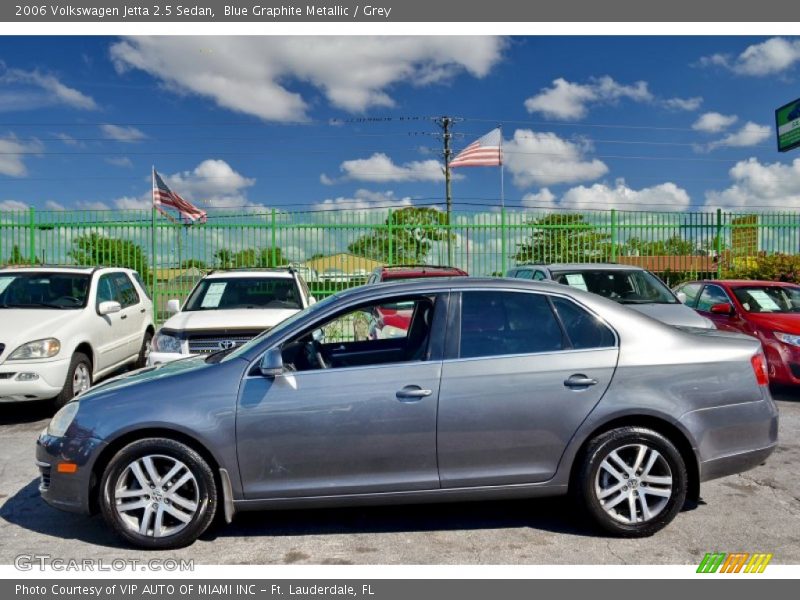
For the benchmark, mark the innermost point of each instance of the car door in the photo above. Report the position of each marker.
(714, 294)
(522, 371)
(132, 315)
(364, 424)
(108, 332)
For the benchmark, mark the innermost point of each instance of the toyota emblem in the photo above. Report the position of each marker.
(227, 344)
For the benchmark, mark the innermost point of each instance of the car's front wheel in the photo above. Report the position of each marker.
(158, 493)
(632, 481)
(79, 379)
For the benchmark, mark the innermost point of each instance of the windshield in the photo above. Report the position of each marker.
(222, 293)
(43, 290)
(280, 327)
(769, 299)
(626, 287)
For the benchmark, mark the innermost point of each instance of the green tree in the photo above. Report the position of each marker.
(250, 257)
(97, 250)
(563, 238)
(194, 263)
(16, 257)
(672, 246)
(407, 237)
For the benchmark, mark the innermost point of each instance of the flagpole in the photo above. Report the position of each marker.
(502, 172)
(153, 236)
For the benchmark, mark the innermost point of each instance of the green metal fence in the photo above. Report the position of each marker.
(338, 249)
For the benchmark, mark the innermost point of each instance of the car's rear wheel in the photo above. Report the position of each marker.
(632, 481)
(158, 493)
(79, 379)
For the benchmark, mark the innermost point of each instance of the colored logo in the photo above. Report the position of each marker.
(736, 562)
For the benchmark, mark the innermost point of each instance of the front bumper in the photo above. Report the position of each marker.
(70, 492)
(50, 378)
(783, 361)
(734, 438)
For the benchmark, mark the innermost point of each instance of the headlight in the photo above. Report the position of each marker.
(164, 342)
(63, 419)
(788, 338)
(46, 348)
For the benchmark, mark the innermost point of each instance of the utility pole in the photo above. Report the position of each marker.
(445, 123)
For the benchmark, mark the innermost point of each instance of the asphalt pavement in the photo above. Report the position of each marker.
(757, 511)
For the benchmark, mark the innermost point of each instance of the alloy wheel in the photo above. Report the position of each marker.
(81, 379)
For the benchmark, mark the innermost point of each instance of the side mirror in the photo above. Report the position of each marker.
(723, 308)
(312, 300)
(681, 297)
(271, 364)
(173, 306)
(108, 307)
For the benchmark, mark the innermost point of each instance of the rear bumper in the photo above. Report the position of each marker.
(733, 438)
(50, 376)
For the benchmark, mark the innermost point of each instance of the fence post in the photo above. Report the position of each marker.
(153, 276)
(32, 235)
(503, 262)
(719, 243)
(391, 238)
(274, 248)
(613, 235)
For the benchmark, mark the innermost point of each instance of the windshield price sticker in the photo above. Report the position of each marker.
(213, 295)
(576, 280)
(764, 301)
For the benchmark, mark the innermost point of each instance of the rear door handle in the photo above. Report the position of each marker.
(412, 393)
(123, 317)
(141, 310)
(579, 381)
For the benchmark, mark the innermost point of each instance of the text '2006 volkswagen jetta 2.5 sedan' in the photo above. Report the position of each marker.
(498, 389)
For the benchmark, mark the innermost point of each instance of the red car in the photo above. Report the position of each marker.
(393, 321)
(768, 310)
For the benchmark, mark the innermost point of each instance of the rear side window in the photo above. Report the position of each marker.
(500, 323)
(141, 284)
(583, 328)
(126, 293)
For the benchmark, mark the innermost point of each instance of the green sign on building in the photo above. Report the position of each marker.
(787, 124)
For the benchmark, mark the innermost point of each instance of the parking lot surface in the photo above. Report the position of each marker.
(757, 511)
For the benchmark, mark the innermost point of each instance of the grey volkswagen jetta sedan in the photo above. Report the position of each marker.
(485, 389)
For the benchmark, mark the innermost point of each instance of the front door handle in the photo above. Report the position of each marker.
(579, 381)
(412, 393)
(123, 317)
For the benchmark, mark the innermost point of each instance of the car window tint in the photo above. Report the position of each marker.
(583, 328)
(691, 290)
(712, 294)
(524, 274)
(126, 293)
(538, 276)
(105, 289)
(141, 284)
(498, 323)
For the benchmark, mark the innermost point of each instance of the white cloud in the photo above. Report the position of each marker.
(364, 200)
(545, 159)
(750, 134)
(254, 75)
(119, 161)
(144, 201)
(212, 183)
(13, 153)
(53, 205)
(773, 56)
(68, 140)
(380, 168)
(759, 186)
(50, 91)
(122, 134)
(543, 199)
(92, 205)
(714, 122)
(12, 205)
(687, 104)
(566, 100)
(665, 196)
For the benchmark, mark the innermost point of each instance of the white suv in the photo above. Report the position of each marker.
(61, 328)
(226, 309)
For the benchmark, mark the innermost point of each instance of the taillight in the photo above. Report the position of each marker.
(759, 362)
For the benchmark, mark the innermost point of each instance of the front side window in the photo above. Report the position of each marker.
(624, 286)
(691, 290)
(43, 290)
(244, 292)
(374, 334)
(106, 292)
(500, 323)
(712, 294)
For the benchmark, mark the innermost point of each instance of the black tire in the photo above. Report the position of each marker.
(589, 480)
(142, 360)
(205, 490)
(79, 360)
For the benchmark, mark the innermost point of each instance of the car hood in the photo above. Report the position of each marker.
(673, 314)
(234, 318)
(23, 325)
(787, 323)
(169, 369)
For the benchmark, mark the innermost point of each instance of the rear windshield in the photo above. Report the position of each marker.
(626, 287)
(244, 292)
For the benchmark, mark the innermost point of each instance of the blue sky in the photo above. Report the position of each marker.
(669, 123)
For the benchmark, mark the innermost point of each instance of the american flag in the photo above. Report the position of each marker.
(163, 196)
(483, 152)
